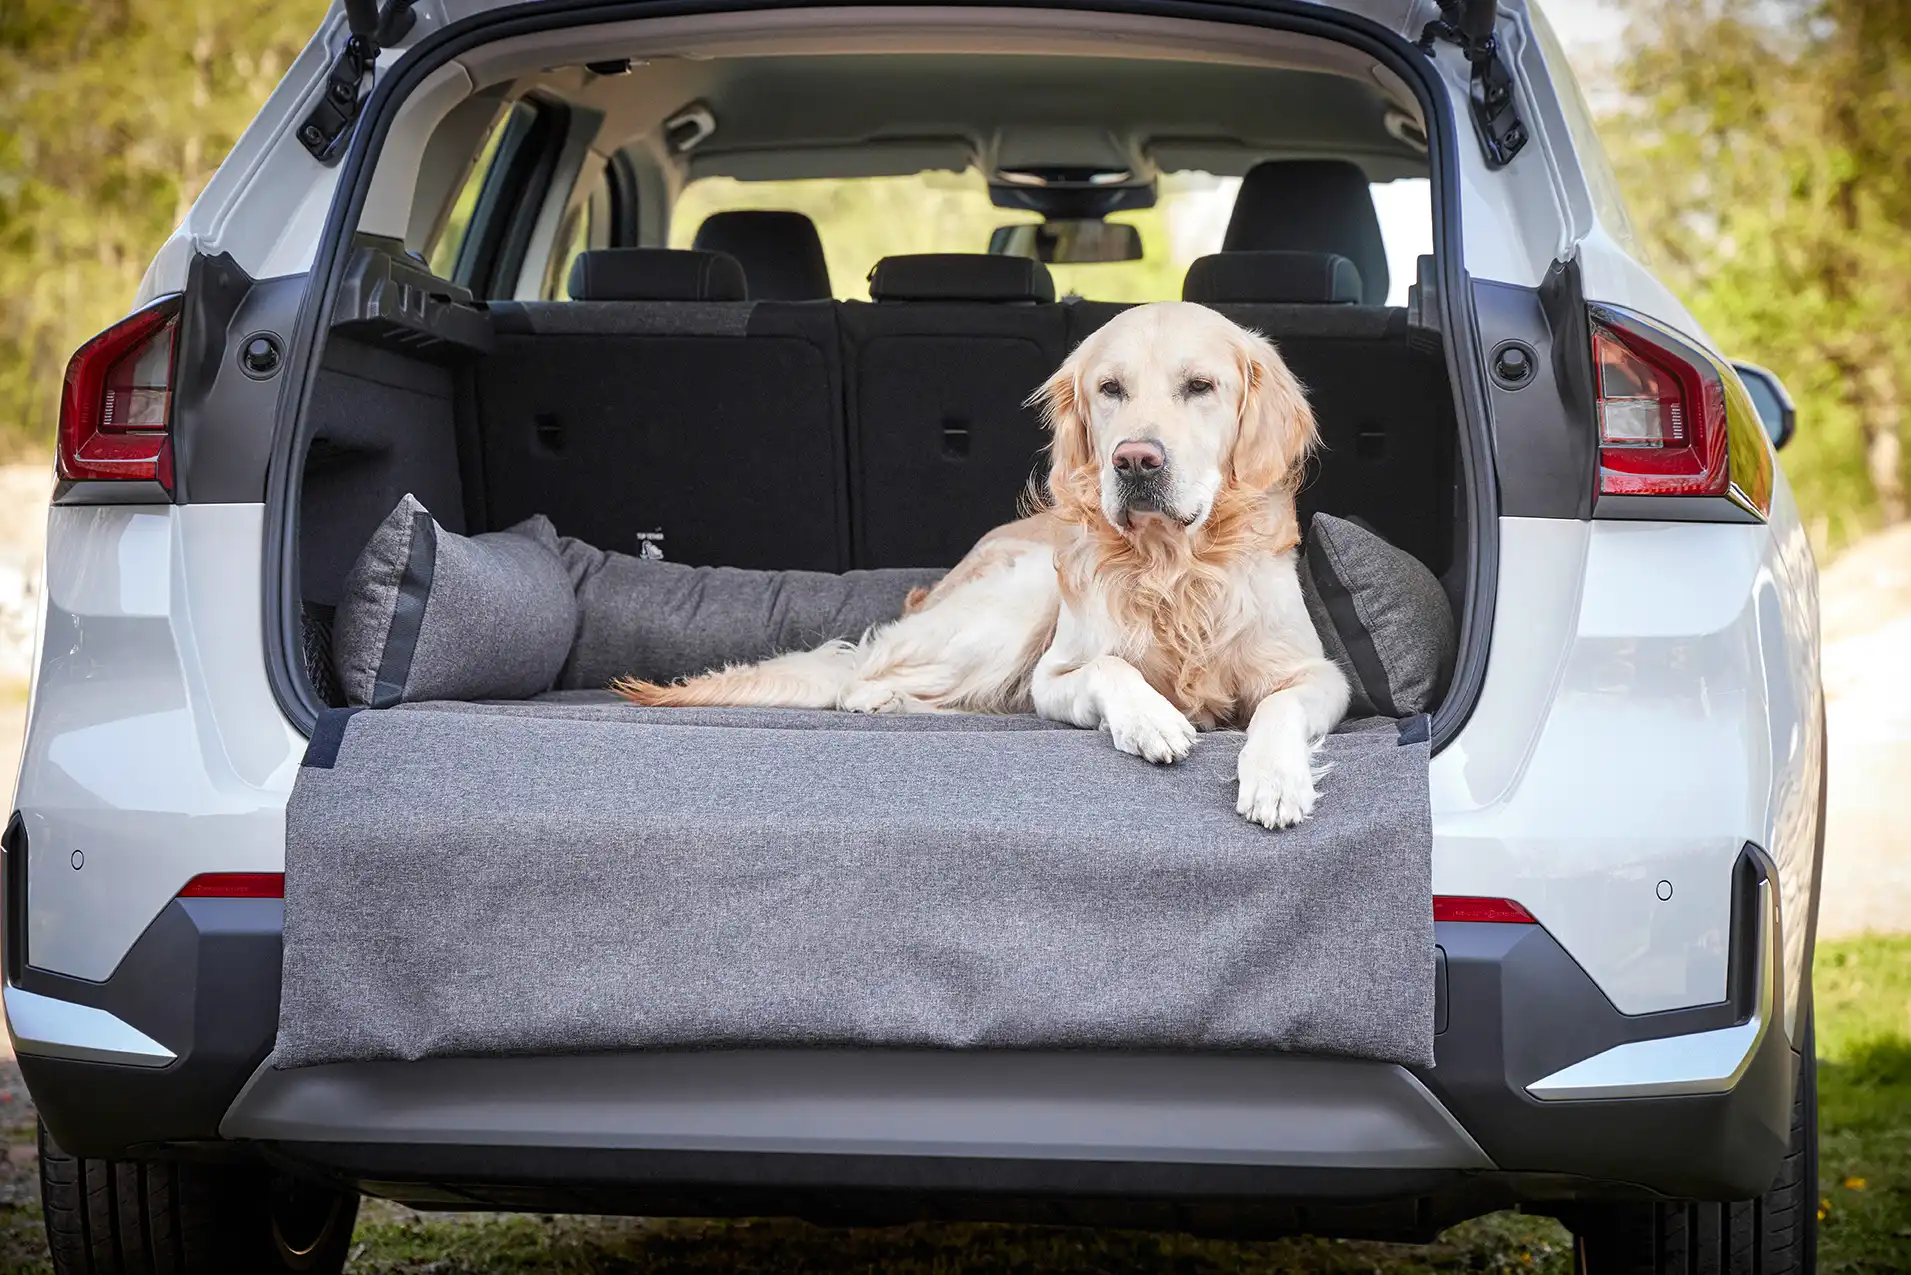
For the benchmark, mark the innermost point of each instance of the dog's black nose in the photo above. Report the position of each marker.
(1139, 458)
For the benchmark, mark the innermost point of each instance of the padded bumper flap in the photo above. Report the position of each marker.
(574, 876)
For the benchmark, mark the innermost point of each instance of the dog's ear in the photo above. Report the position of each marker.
(1277, 432)
(1064, 412)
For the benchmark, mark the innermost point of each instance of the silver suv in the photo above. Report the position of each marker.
(1628, 763)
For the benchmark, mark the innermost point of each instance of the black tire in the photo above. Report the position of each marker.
(1776, 1234)
(162, 1217)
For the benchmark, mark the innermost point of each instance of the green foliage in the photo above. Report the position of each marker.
(1762, 149)
(113, 115)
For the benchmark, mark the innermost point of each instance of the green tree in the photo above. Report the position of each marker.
(113, 115)
(1766, 152)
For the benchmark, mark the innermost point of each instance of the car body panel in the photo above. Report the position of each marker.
(1670, 721)
(154, 748)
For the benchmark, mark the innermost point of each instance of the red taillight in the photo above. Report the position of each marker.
(1457, 907)
(1662, 423)
(235, 885)
(1673, 420)
(116, 408)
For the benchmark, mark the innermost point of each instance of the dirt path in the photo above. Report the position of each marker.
(1865, 607)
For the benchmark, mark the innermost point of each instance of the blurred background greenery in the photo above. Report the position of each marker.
(1765, 150)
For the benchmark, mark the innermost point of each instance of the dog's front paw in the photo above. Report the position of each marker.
(1149, 726)
(1275, 792)
(874, 697)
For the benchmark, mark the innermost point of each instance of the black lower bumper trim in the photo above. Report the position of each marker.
(203, 980)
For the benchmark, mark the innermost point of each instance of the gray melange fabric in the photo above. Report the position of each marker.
(485, 880)
(1382, 616)
(664, 620)
(429, 614)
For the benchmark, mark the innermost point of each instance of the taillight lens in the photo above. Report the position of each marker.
(116, 408)
(1673, 421)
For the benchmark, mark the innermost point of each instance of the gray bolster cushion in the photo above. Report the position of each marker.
(1382, 616)
(639, 617)
(432, 615)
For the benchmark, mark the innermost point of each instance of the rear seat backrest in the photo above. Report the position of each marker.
(689, 411)
(938, 368)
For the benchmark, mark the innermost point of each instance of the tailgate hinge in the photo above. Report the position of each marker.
(326, 130)
(1469, 24)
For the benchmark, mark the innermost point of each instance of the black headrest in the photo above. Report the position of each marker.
(655, 274)
(960, 276)
(1311, 205)
(1297, 278)
(782, 256)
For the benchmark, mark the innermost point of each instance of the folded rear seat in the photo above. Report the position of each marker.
(939, 367)
(618, 414)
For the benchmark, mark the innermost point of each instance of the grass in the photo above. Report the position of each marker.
(1864, 1045)
(391, 1241)
(1864, 1105)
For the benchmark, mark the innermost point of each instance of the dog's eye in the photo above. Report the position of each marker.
(1112, 389)
(1197, 386)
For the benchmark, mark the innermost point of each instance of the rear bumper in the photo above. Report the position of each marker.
(1239, 1143)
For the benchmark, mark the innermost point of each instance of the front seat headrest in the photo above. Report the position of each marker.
(1287, 278)
(1311, 205)
(960, 276)
(781, 253)
(655, 274)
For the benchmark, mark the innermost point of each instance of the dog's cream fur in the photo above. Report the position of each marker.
(1150, 618)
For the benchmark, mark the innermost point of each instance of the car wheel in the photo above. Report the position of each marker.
(1776, 1234)
(105, 1217)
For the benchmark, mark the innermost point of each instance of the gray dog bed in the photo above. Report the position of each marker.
(571, 875)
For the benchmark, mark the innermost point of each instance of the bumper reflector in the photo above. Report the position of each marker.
(1459, 907)
(235, 885)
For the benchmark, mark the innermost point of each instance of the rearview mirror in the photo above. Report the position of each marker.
(1065, 243)
(1774, 405)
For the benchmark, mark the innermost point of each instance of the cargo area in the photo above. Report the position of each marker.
(708, 390)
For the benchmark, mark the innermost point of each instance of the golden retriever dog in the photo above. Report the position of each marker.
(1153, 594)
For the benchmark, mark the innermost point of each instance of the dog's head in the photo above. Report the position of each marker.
(1163, 409)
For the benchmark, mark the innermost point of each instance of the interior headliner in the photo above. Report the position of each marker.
(834, 93)
(803, 116)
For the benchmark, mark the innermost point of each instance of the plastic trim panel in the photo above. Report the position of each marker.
(60, 1029)
(1706, 1062)
(1300, 1112)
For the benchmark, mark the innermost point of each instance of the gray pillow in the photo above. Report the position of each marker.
(640, 617)
(1382, 616)
(429, 614)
